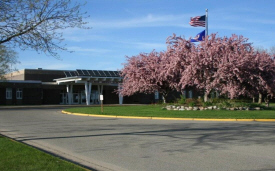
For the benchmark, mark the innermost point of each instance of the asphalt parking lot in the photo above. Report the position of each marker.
(142, 144)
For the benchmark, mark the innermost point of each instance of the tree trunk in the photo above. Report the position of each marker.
(164, 99)
(253, 100)
(260, 98)
(266, 101)
(164, 96)
(217, 94)
(205, 97)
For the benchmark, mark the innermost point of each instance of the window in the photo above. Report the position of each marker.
(19, 93)
(183, 93)
(8, 93)
(156, 95)
(190, 94)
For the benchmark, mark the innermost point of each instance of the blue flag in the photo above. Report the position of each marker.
(199, 37)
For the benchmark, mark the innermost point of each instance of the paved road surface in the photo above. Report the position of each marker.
(144, 145)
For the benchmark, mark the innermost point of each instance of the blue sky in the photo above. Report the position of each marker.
(127, 27)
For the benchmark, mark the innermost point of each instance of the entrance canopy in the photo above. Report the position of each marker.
(89, 78)
(94, 76)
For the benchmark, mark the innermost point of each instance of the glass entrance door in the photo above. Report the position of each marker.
(94, 97)
(83, 97)
(63, 98)
(76, 98)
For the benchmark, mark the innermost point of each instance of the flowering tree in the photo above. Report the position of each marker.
(228, 65)
(232, 67)
(177, 60)
(196, 65)
(141, 74)
(263, 75)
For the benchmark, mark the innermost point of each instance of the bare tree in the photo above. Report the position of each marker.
(38, 24)
(8, 58)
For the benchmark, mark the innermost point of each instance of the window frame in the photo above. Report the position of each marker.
(156, 95)
(8, 93)
(19, 93)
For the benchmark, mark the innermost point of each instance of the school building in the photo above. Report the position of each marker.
(44, 86)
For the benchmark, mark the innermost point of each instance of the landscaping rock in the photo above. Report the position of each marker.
(210, 107)
(195, 108)
(169, 106)
(201, 108)
(173, 107)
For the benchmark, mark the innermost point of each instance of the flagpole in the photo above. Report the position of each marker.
(205, 97)
(206, 22)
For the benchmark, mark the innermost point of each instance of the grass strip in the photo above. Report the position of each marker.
(18, 156)
(156, 111)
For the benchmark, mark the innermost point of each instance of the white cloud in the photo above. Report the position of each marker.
(147, 21)
(80, 49)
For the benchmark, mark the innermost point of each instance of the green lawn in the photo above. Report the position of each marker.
(156, 111)
(18, 156)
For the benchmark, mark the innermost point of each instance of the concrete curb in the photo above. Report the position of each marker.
(160, 118)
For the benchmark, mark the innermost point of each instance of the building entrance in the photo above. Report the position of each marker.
(80, 98)
(63, 98)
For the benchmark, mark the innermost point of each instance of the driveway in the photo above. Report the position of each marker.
(144, 145)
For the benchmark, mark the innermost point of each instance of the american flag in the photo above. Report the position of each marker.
(198, 21)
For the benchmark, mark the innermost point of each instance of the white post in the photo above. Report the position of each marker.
(90, 91)
(88, 87)
(69, 93)
(120, 97)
